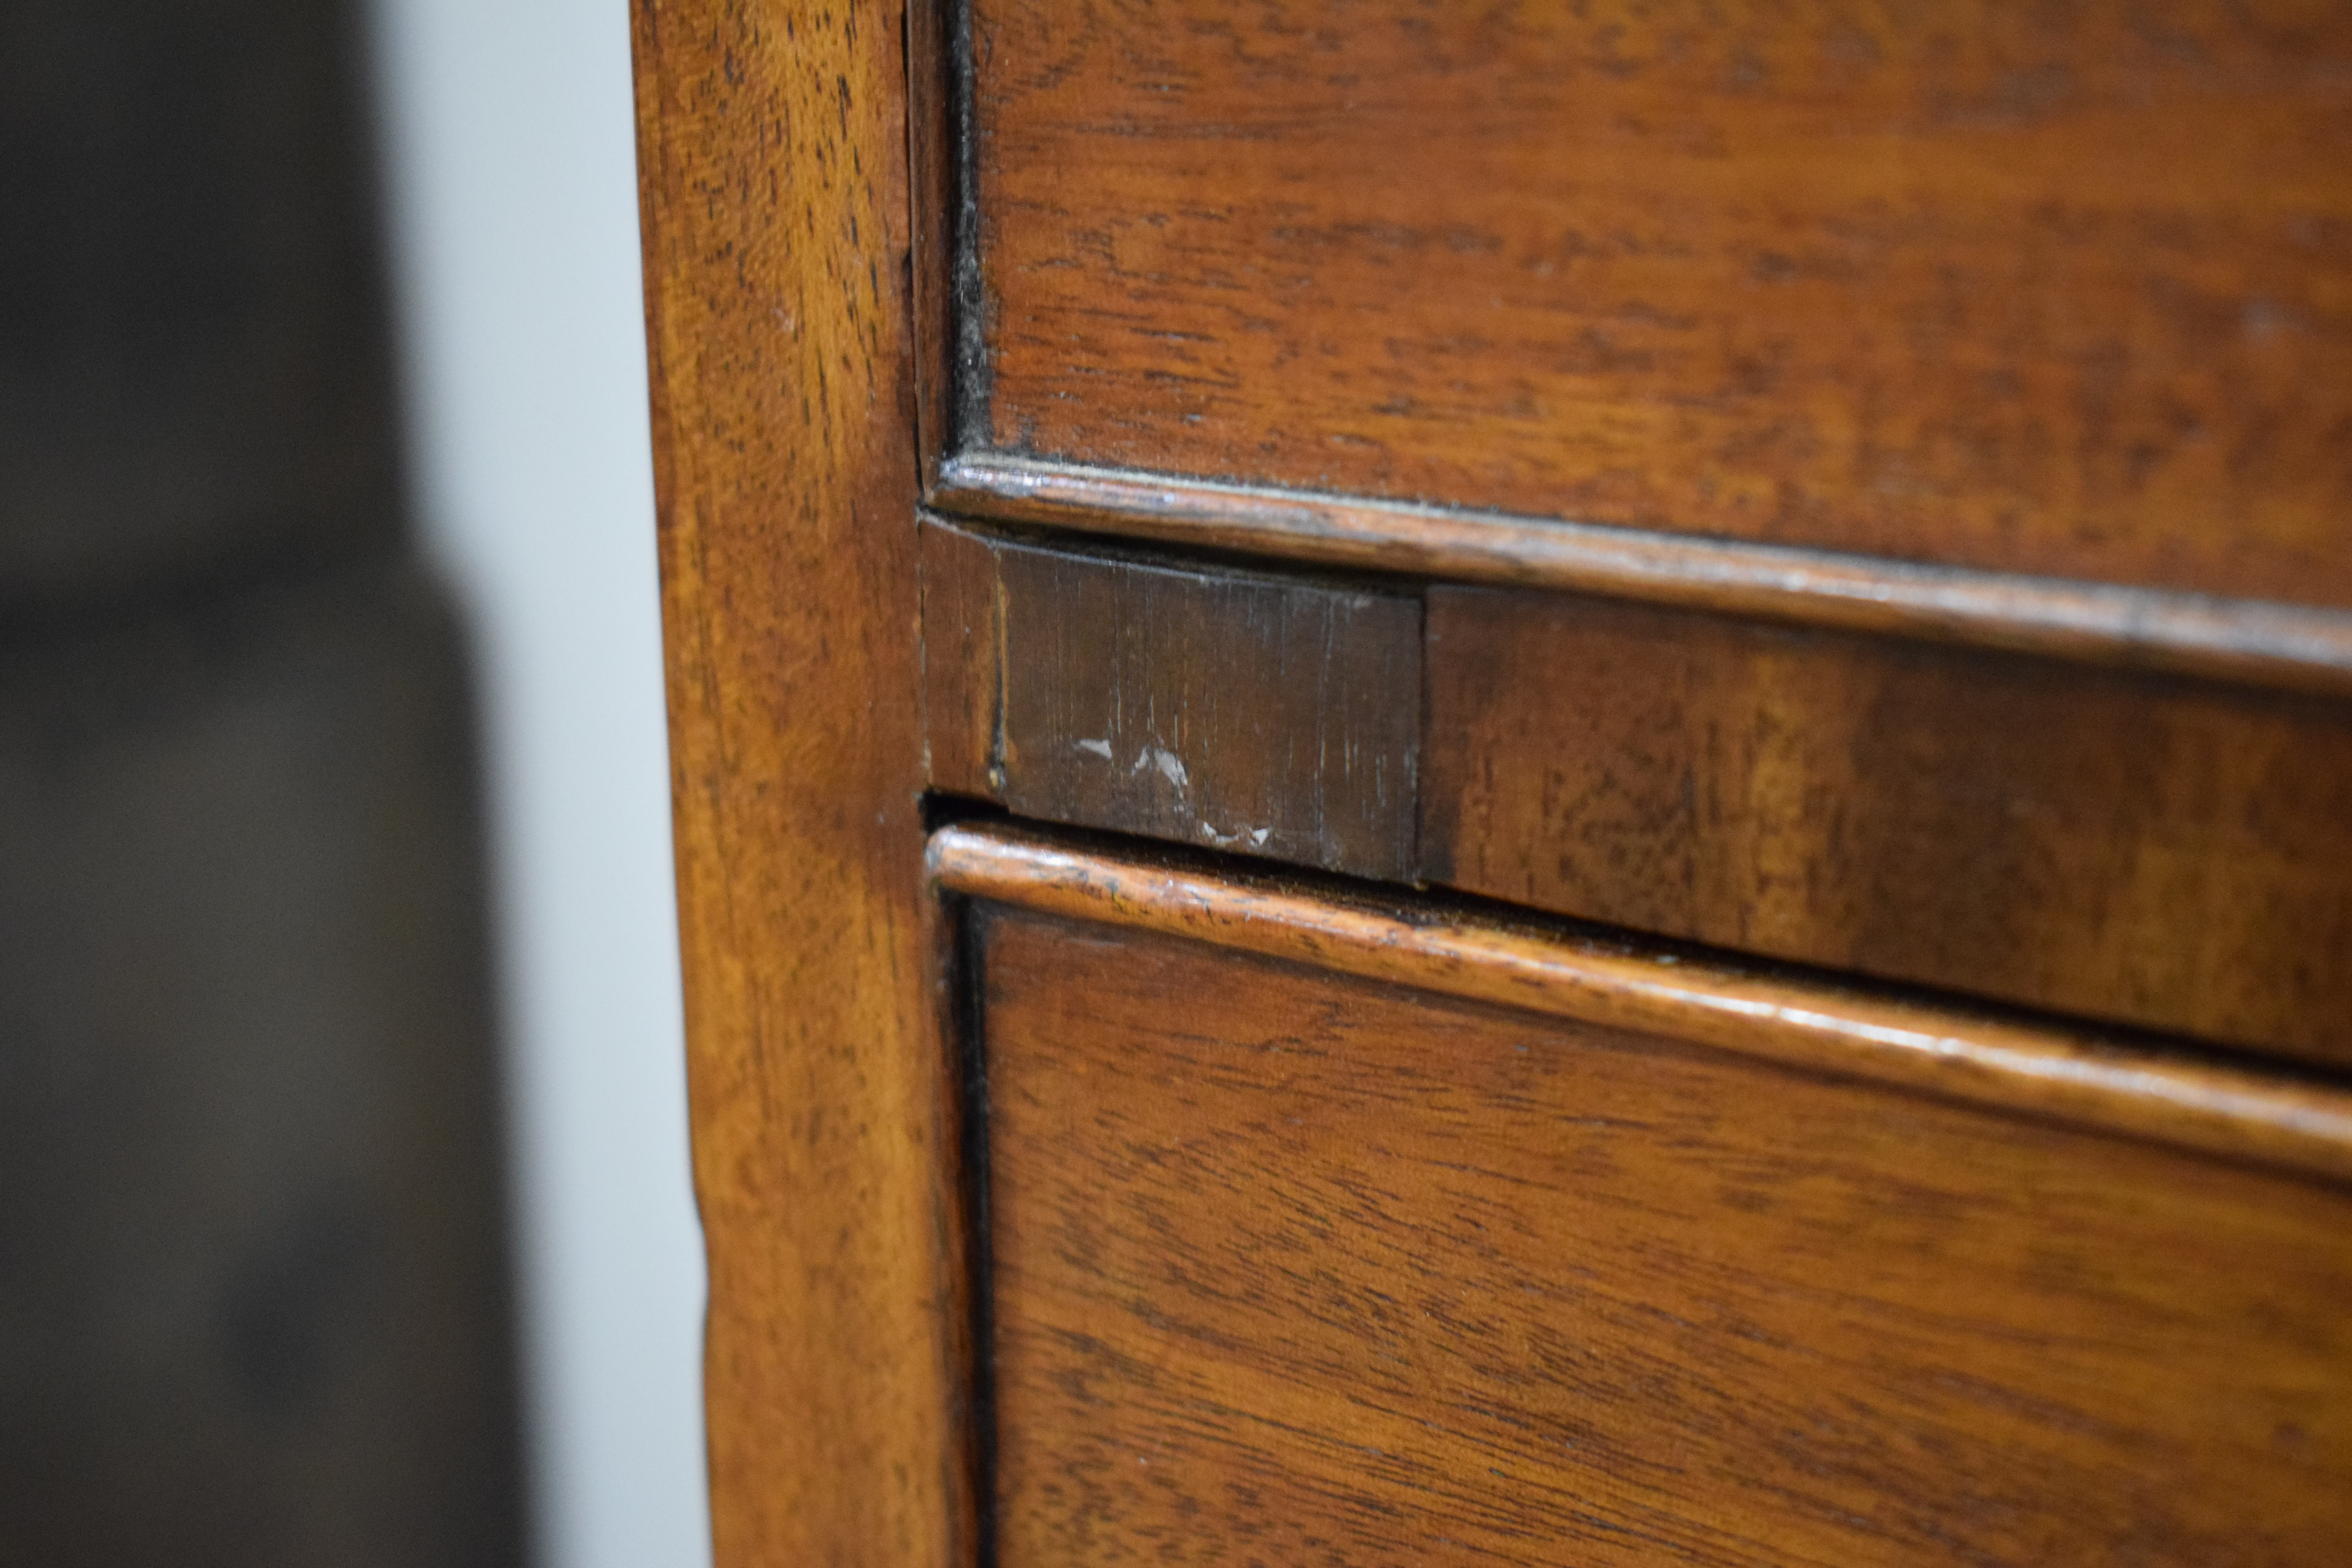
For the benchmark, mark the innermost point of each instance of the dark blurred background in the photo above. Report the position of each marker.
(343, 1197)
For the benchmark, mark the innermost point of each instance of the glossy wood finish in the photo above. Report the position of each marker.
(2059, 290)
(2291, 648)
(773, 159)
(2171, 853)
(963, 661)
(1274, 717)
(1807, 1023)
(1291, 1267)
(2161, 852)
(1406, 1225)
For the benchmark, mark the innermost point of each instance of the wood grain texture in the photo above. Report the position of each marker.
(1274, 717)
(1295, 1267)
(2164, 853)
(963, 661)
(772, 156)
(936, 154)
(1808, 1022)
(2062, 290)
(2168, 854)
(2292, 647)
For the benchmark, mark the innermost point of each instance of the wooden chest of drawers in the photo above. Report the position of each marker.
(1543, 784)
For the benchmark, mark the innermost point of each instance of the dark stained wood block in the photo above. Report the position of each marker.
(1267, 716)
(2162, 852)
(1291, 1267)
(2054, 289)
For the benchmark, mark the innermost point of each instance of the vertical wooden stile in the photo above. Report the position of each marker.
(773, 166)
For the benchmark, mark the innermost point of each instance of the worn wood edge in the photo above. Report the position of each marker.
(969, 369)
(932, 144)
(963, 704)
(2051, 1071)
(960, 1216)
(2293, 648)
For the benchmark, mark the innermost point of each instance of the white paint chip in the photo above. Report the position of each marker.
(1171, 765)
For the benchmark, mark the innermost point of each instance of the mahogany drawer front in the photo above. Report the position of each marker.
(2168, 853)
(2054, 290)
(1288, 1266)
(2161, 852)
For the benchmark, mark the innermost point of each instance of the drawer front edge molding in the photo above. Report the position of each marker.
(2250, 642)
(2157, 853)
(2075, 1076)
(1793, 274)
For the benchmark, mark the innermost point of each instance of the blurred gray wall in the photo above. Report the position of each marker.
(512, 181)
